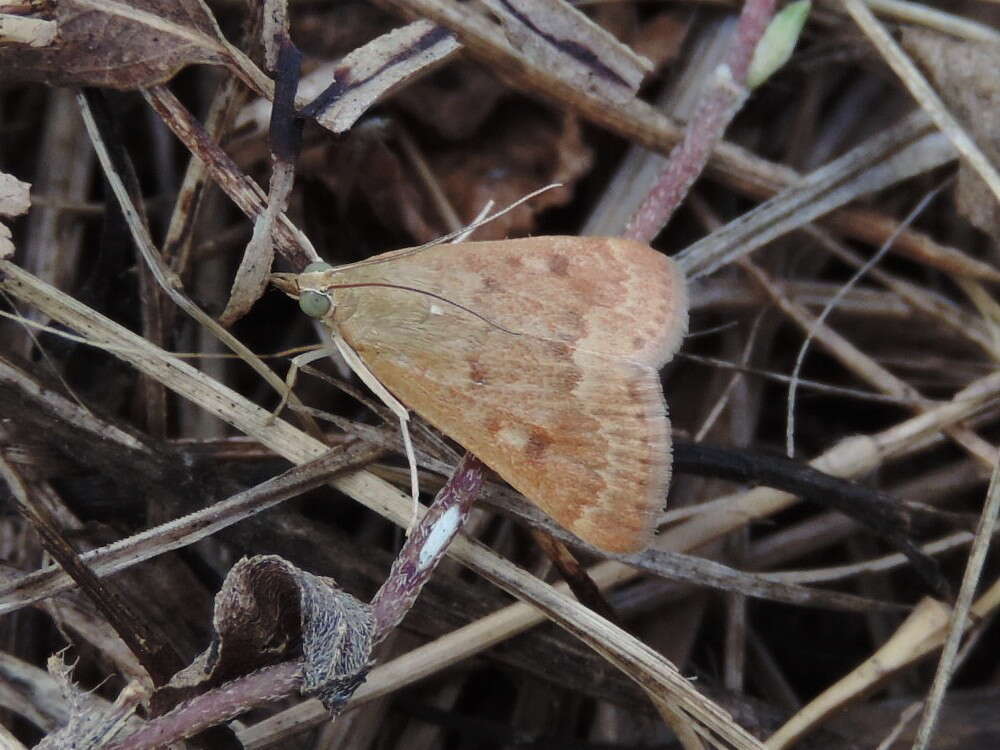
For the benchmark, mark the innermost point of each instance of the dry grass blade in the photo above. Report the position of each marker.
(957, 626)
(864, 366)
(923, 632)
(189, 529)
(913, 639)
(167, 280)
(557, 36)
(246, 193)
(933, 18)
(644, 125)
(924, 94)
(889, 157)
(156, 657)
(919, 298)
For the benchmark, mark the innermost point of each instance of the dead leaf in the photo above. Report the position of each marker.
(367, 165)
(661, 38)
(522, 158)
(251, 276)
(15, 195)
(15, 199)
(285, 141)
(523, 150)
(269, 611)
(6, 242)
(563, 40)
(118, 44)
(325, 35)
(965, 75)
(455, 101)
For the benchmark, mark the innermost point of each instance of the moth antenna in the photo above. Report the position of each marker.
(465, 231)
(447, 301)
(481, 216)
(460, 306)
(375, 386)
(487, 219)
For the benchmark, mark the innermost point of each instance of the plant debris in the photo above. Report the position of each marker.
(221, 571)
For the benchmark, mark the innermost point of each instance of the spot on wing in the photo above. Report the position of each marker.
(538, 442)
(558, 264)
(635, 391)
(512, 435)
(557, 350)
(478, 374)
(569, 379)
(490, 284)
(645, 460)
(574, 324)
(562, 374)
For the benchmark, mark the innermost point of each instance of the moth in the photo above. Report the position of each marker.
(538, 355)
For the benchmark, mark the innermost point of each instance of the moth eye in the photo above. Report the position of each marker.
(318, 266)
(314, 304)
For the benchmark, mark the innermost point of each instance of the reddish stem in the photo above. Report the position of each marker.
(715, 111)
(411, 570)
(216, 706)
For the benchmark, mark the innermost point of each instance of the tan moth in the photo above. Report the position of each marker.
(538, 355)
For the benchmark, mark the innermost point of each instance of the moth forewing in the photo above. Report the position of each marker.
(540, 356)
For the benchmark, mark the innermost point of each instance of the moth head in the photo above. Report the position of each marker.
(314, 296)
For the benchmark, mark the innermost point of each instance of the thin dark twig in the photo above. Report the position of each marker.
(154, 653)
(876, 510)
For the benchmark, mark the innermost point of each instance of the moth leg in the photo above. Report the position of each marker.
(397, 408)
(298, 362)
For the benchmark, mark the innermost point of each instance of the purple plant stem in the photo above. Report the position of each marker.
(426, 546)
(411, 570)
(216, 706)
(714, 112)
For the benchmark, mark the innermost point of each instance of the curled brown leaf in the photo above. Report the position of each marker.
(116, 44)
